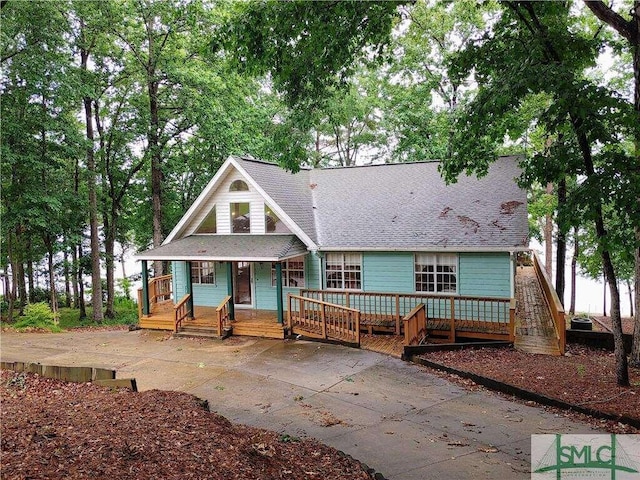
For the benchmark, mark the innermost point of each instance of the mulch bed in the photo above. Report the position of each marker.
(584, 377)
(53, 429)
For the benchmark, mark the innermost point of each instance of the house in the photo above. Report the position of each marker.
(344, 246)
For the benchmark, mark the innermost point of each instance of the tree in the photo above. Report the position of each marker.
(629, 29)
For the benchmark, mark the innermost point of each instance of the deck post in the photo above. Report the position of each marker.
(190, 290)
(145, 289)
(279, 292)
(232, 308)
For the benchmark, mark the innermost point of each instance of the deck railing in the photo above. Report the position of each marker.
(553, 303)
(319, 319)
(160, 289)
(415, 325)
(182, 310)
(222, 315)
(490, 317)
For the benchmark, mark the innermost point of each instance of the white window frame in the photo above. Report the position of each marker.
(203, 271)
(287, 269)
(343, 268)
(443, 267)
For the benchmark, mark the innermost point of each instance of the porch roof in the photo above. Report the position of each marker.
(236, 248)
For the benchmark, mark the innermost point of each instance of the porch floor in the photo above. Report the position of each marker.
(249, 322)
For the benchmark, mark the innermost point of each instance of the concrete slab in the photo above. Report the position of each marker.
(393, 416)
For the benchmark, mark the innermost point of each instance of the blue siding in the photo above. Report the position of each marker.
(205, 295)
(485, 274)
(480, 274)
(178, 270)
(388, 272)
(312, 265)
(265, 294)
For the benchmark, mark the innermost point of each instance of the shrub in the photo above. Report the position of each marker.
(38, 315)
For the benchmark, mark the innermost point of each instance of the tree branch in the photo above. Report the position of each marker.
(605, 13)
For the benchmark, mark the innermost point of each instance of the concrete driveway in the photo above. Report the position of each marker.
(393, 416)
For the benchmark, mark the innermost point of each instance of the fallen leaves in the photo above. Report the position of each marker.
(585, 376)
(53, 429)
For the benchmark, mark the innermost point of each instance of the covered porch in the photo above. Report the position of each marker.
(220, 284)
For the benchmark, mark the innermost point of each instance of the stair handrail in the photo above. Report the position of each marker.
(415, 325)
(222, 314)
(553, 303)
(182, 310)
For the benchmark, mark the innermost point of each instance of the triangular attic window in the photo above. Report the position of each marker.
(273, 224)
(208, 225)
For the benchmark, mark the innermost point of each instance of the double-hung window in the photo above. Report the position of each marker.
(292, 273)
(436, 273)
(343, 271)
(203, 272)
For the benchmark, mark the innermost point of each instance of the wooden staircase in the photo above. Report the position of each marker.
(534, 329)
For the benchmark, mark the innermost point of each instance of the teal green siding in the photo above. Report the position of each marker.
(479, 274)
(485, 274)
(388, 272)
(265, 294)
(204, 295)
(313, 265)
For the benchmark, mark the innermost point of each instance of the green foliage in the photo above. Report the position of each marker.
(38, 315)
(307, 47)
(126, 311)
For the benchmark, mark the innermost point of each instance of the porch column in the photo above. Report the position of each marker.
(145, 289)
(190, 289)
(232, 309)
(279, 292)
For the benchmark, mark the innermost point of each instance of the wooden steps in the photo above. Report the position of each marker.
(258, 329)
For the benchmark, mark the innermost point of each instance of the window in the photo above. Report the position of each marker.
(240, 218)
(209, 224)
(343, 271)
(203, 272)
(238, 186)
(272, 223)
(436, 272)
(292, 273)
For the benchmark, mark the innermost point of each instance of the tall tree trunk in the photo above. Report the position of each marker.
(53, 298)
(109, 245)
(67, 279)
(548, 238)
(12, 289)
(108, 218)
(156, 169)
(635, 346)
(74, 277)
(561, 242)
(574, 262)
(19, 278)
(96, 282)
(30, 276)
(604, 292)
(81, 303)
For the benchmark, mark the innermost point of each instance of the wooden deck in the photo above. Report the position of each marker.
(248, 322)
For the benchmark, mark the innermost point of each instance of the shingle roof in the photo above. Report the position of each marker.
(403, 206)
(290, 191)
(247, 248)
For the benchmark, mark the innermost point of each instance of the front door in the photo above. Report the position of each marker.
(242, 282)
